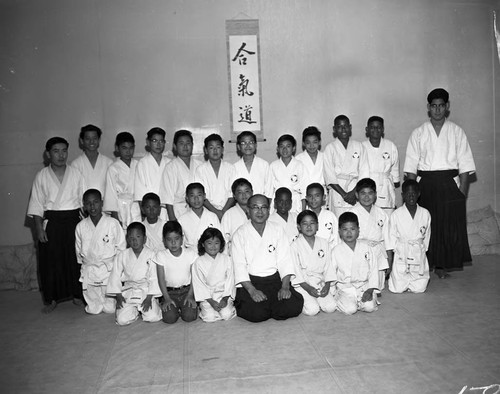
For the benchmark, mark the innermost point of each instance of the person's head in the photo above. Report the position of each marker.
(246, 144)
(151, 207)
(211, 242)
(283, 200)
(366, 192)
(90, 137)
(195, 195)
(411, 192)
(173, 237)
(311, 139)
(315, 195)
(213, 147)
(183, 143)
(307, 223)
(136, 236)
(348, 227)
(375, 128)
(342, 128)
(242, 191)
(56, 149)
(125, 146)
(258, 208)
(438, 104)
(92, 203)
(155, 140)
(286, 146)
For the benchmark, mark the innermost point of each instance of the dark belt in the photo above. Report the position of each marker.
(438, 174)
(177, 288)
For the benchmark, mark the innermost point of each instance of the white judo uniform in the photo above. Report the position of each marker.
(193, 225)
(138, 275)
(154, 233)
(96, 247)
(217, 187)
(214, 278)
(175, 178)
(259, 175)
(315, 267)
(95, 177)
(383, 163)
(328, 227)
(314, 171)
(293, 176)
(232, 219)
(357, 271)
(290, 226)
(409, 238)
(119, 195)
(374, 228)
(344, 167)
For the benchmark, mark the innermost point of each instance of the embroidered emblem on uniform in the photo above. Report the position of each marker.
(329, 225)
(380, 223)
(106, 238)
(321, 253)
(271, 248)
(423, 230)
(355, 155)
(294, 178)
(386, 155)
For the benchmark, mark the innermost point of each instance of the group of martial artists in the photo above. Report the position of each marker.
(164, 239)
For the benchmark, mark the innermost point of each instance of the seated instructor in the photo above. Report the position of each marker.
(263, 268)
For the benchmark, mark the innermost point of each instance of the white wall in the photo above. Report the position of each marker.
(131, 65)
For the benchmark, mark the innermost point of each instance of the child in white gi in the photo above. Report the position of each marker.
(356, 267)
(283, 217)
(119, 196)
(217, 176)
(327, 221)
(173, 266)
(98, 239)
(133, 280)
(409, 235)
(288, 172)
(314, 270)
(383, 162)
(237, 215)
(312, 158)
(373, 224)
(197, 218)
(213, 278)
(151, 209)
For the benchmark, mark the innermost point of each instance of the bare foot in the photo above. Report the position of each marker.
(78, 301)
(49, 307)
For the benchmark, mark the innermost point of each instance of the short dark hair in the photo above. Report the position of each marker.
(55, 140)
(90, 127)
(375, 118)
(150, 197)
(210, 232)
(340, 118)
(213, 137)
(348, 217)
(315, 185)
(182, 133)
(239, 182)
(123, 137)
(366, 183)
(244, 134)
(136, 226)
(283, 190)
(172, 226)
(410, 183)
(155, 130)
(287, 137)
(305, 213)
(311, 131)
(438, 93)
(194, 185)
(89, 192)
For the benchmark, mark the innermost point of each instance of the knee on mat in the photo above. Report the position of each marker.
(170, 317)
(189, 314)
(310, 309)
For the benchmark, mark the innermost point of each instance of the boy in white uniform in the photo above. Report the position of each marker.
(133, 281)
(98, 239)
(197, 218)
(373, 224)
(356, 267)
(288, 172)
(283, 217)
(263, 268)
(174, 276)
(179, 173)
(92, 164)
(327, 221)
(314, 270)
(213, 278)
(345, 162)
(237, 215)
(119, 196)
(217, 176)
(153, 223)
(409, 235)
(150, 168)
(383, 162)
(312, 158)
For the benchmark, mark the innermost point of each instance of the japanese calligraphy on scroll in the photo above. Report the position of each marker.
(243, 54)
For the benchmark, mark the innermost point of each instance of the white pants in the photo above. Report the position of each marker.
(130, 312)
(348, 303)
(313, 305)
(210, 315)
(97, 302)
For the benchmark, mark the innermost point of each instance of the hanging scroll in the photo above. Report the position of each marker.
(245, 99)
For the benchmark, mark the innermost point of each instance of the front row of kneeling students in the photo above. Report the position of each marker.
(281, 265)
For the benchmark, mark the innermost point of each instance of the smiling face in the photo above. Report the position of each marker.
(366, 197)
(58, 155)
(258, 209)
(90, 141)
(242, 194)
(342, 130)
(315, 198)
(247, 146)
(312, 144)
(195, 198)
(286, 149)
(375, 130)
(92, 203)
(212, 246)
(308, 226)
(184, 147)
